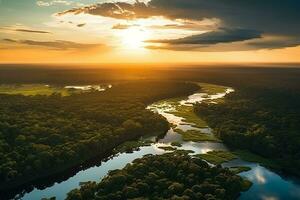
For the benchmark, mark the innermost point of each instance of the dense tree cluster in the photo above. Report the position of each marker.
(43, 134)
(264, 121)
(175, 176)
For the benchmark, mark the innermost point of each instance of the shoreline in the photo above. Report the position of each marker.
(17, 187)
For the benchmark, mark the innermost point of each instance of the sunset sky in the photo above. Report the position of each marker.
(152, 31)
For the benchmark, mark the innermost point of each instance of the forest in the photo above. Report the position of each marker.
(265, 121)
(40, 135)
(175, 176)
(43, 135)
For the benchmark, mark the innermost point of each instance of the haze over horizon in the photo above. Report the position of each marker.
(149, 31)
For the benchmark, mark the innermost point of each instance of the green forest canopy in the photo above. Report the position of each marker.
(43, 134)
(264, 121)
(175, 176)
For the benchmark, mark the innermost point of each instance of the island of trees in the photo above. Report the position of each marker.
(263, 120)
(41, 135)
(175, 176)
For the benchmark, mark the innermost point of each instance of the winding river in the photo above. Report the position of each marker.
(267, 184)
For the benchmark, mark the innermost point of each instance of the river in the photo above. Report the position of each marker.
(267, 184)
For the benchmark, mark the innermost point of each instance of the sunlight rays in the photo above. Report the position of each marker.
(134, 37)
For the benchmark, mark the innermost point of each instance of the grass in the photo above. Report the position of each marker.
(130, 146)
(239, 169)
(246, 185)
(196, 136)
(250, 157)
(167, 148)
(176, 144)
(211, 89)
(217, 157)
(173, 126)
(32, 89)
(184, 151)
(187, 112)
(172, 101)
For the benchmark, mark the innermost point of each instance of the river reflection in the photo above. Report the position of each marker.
(267, 185)
(198, 97)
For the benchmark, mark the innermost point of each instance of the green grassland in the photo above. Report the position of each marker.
(196, 136)
(33, 89)
(187, 112)
(131, 146)
(176, 144)
(211, 89)
(239, 169)
(172, 101)
(217, 157)
(167, 148)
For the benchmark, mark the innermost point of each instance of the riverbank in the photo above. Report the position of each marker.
(72, 167)
(70, 137)
(262, 178)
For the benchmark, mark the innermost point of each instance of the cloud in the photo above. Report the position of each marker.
(253, 14)
(118, 10)
(264, 42)
(54, 45)
(9, 40)
(81, 25)
(208, 41)
(272, 17)
(123, 26)
(214, 37)
(54, 2)
(46, 3)
(276, 43)
(25, 30)
(31, 31)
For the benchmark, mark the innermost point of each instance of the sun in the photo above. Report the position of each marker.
(134, 37)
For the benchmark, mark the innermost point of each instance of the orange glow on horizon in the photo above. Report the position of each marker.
(35, 55)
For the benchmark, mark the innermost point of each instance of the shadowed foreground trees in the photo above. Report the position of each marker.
(40, 135)
(175, 176)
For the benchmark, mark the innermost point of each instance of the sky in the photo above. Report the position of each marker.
(149, 31)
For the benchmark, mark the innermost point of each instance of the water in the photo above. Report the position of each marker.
(267, 185)
(99, 88)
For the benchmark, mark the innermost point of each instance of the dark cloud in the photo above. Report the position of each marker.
(251, 14)
(177, 47)
(246, 45)
(81, 25)
(9, 40)
(220, 40)
(32, 31)
(27, 30)
(272, 17)
(54, 45)
(275, 44)
(118, 10)
(121, 26)
(214, 37)
(189, 25)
